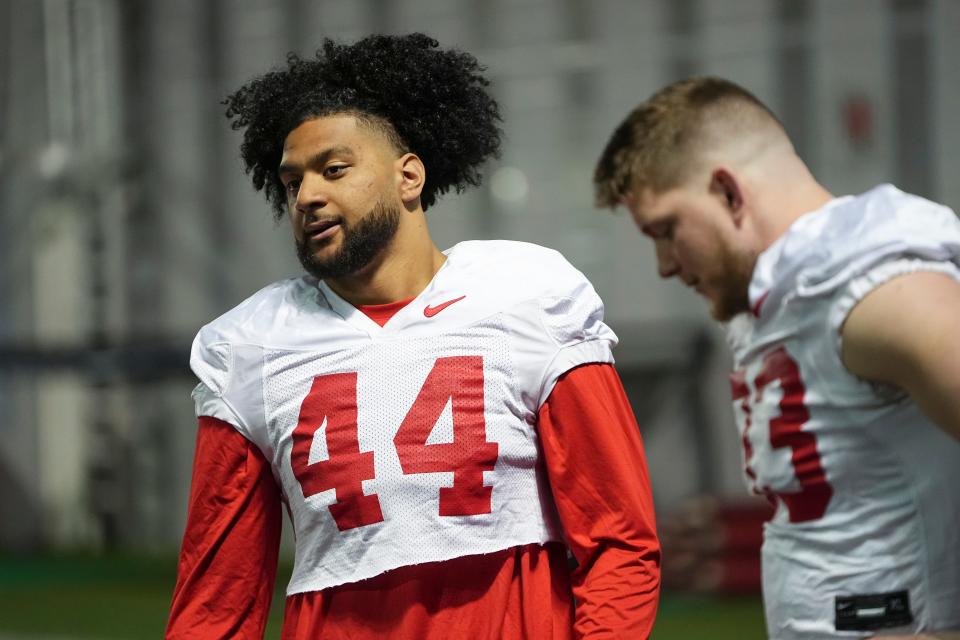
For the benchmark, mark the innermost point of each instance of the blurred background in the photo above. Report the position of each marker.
(126, 223)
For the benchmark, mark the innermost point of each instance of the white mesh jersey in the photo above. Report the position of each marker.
(414, 442)
(864, 539)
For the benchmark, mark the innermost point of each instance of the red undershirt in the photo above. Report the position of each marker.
(595, 464)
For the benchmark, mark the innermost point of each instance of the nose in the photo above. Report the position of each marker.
(311, 195)
(667, 265)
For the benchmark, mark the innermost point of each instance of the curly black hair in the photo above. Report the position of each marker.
(434, 100)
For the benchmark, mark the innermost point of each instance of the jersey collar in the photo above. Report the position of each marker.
(360, 321)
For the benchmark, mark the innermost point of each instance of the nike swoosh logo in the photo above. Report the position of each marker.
(432, 311)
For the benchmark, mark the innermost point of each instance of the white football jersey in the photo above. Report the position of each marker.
(866, 535)
(413, 442)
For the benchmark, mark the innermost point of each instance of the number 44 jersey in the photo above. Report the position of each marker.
(413, 442)
(864, 539)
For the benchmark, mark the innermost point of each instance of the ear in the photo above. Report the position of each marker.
(724, 184)
(411, 175)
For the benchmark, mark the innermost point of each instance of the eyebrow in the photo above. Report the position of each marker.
(318, 159)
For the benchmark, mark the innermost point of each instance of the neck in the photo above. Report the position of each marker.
(400, 272)
(788, 194)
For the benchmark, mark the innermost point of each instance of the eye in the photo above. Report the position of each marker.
(662, 230)
(334, 170)
(292, 187)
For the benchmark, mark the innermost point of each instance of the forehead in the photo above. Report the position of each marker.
(341, 130)
(649, 206)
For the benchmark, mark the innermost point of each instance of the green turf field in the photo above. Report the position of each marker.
(81, 597)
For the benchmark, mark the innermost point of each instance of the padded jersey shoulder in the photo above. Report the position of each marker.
(825, 249)
(523, 269)
(267, 315)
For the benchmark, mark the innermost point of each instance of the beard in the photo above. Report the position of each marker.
(734, 284)
(362, 242)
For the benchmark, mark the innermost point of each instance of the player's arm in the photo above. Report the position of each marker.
(228, 559)
(597, 470)
(906, 333)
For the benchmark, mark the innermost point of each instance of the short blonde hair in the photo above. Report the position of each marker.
(657, 146)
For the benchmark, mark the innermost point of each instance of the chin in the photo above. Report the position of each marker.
(323, 252)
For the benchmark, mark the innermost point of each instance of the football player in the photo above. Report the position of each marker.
(842, 316)
(440, 426)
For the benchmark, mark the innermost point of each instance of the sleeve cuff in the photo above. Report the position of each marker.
(859, 287)
(209, 404)
(571, 356)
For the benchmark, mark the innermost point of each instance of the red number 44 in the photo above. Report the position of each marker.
(786, 431)
(332, 401)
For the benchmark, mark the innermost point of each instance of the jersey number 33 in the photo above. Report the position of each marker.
(786, 431)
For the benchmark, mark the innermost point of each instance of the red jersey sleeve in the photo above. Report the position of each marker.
(598, 474)
(228, 560)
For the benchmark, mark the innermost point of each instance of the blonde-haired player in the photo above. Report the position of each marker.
(842, 317)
